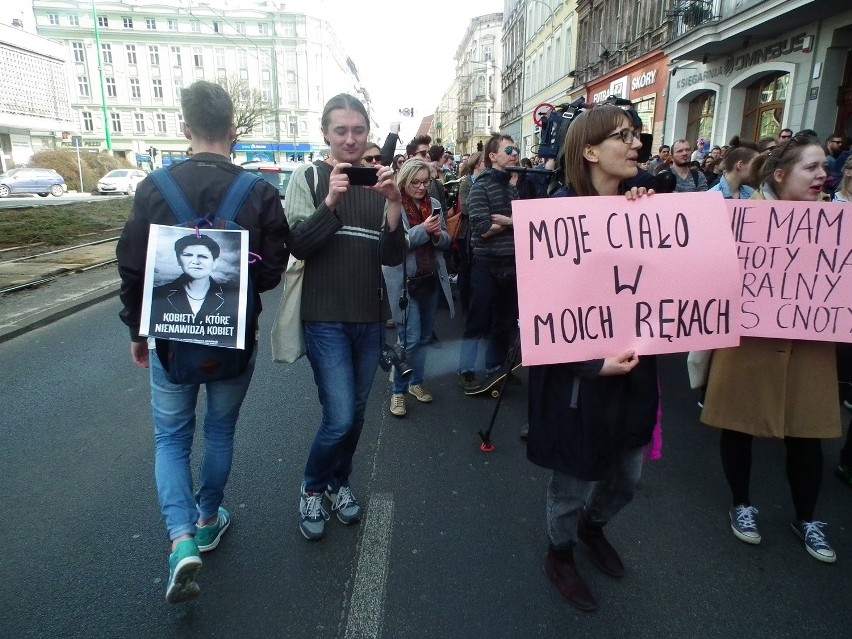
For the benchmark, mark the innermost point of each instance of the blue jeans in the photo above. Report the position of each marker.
(567, 496)
(344, 357)
(173, 409)
(493, 314)
(414, 333)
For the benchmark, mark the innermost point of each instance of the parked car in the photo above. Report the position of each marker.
(121, 181)
(278, 175)
(25, 180)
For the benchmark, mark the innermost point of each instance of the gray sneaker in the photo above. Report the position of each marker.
(344, 504)
(744, 523)
(816, 543)
(313, 515)
(468, 382)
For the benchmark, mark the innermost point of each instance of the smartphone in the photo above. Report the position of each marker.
(361, 175)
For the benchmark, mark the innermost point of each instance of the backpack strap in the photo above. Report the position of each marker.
(695, 178)
(237, 195)
(173, 195)
(312, 182)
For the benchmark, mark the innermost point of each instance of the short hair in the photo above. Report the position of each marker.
(664, 146)
(493, 145)
(411, 168)
(436, 152)
(371, 145)
(766, 143)
(346, 102)
(419, 140)
(589, 128)
(681, 141)
(196, 240)
(208, 110)
(810, 133)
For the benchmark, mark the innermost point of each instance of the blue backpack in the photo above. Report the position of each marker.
(186, 362)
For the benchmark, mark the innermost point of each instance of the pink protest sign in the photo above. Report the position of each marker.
(600, 275)
(796, 261)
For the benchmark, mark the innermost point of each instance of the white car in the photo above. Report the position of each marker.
(121, 181)
(278, 175)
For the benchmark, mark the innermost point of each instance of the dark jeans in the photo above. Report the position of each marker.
(463, 283)
(493, 315)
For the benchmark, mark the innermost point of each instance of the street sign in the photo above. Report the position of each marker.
(541, 112)
(77, 141)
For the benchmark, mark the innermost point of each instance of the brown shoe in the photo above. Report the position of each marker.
(603, 554)
(560, 569)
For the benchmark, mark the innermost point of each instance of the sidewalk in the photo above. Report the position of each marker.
(28, 309)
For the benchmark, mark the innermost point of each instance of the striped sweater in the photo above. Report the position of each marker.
(341, 248)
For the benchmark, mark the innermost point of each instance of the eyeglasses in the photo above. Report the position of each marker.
(418, 183)
(627, 135)
(422, 154)
(372, 158)
(512, 149)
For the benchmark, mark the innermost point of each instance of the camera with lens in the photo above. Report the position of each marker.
(394, 357)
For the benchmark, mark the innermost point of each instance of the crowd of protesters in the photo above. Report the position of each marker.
(436, 229)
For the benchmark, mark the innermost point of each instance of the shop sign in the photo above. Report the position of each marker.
(801, 42)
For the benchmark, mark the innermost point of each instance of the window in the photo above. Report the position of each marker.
(178, 86)
(480, 85)
(83, 86)
(138, 123)
(111, 91)
(88, 124)
(151, 24)
(217, 27)
(73, 19)
(197, 57)
(179, 117)
(154, 54)
(127, 21)
(219, 53)
(53, 19)
(131, 53)
(195, 26)
(106, 53)
(487, 52)
(157, 86)
(764, 108)
(702, 110)
(103, 21)
(115, 121)
(263, 28)
(289, 30)
(176, 59)
(172, 25)
(79, 52)
(242, 59)
(480, 118)
(135, 88)
(241, 27)
(161, 122)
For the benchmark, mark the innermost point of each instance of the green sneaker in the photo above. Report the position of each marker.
(184, 566)
(207, 537)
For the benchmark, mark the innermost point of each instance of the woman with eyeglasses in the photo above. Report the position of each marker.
(415, 285)
(590, 421)
(778, 388)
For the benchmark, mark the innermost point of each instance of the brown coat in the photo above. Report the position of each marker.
(774, 387)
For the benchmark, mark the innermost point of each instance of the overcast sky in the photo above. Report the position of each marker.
(403, 50)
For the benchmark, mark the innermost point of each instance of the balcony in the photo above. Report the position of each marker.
(690, 14)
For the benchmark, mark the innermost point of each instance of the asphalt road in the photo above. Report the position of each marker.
(452, 543)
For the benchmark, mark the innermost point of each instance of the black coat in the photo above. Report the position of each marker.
(578, 419)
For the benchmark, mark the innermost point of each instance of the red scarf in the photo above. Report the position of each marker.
(417, 213)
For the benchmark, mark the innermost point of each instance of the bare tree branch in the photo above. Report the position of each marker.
(250, 109)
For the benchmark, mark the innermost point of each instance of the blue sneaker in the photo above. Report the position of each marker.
(744, 523)
(343, 502)
(314, 516)
(816, 543)
(184, 566)
(207, 537)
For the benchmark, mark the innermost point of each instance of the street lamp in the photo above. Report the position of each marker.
(101, 78)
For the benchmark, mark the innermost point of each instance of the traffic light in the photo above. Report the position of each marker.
(310, 157)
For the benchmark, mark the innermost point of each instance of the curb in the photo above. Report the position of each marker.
(49, 315)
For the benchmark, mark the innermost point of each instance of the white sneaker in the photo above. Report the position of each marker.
(397, 405)
(420, 393)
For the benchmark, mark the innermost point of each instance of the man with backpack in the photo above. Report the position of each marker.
(204, 184)
(689, 180)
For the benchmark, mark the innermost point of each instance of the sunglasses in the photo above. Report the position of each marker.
(372, 158)
(512, 149)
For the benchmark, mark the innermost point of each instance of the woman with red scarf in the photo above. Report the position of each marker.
(415, 285)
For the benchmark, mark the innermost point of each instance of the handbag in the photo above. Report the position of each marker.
(288, 333)
(698, 368)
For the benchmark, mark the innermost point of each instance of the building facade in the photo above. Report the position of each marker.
(753, 67)
(478, 71)
(129, 60)
(35, 112)
(513, 42)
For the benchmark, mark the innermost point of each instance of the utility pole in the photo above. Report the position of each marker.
(101, 79)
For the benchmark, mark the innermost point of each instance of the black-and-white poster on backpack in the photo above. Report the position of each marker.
(196, 286)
